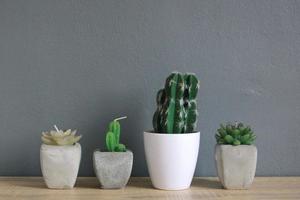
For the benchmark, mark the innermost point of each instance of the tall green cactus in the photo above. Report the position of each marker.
(113, 136)
(176, 105)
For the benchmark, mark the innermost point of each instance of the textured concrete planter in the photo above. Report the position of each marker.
(60, 165)
(113, 169)
(236, 165)
(171, 159)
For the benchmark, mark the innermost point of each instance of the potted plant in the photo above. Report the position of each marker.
(60, 156)
(235, 156)
(172, 148)
(113, 166)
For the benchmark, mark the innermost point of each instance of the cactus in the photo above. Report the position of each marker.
(113, 136)
(60, 137)
(235, 134)
(176, 105)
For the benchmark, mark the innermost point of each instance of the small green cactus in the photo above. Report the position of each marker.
(235, 134)
(60, 137)
(113, 136)
(176, 105)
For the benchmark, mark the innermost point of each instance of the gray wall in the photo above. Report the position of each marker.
(78, 64)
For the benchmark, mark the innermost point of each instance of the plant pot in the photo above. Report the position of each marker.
(171, 159)
(236, 165)
(60, 165)
(113, 169)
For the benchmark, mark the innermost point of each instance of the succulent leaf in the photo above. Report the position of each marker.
(120, 148)
(236, 142)
(228, 139)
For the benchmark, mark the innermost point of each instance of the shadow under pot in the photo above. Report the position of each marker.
(171, 159)
(60, 164)
(113, 169)
(236, 165)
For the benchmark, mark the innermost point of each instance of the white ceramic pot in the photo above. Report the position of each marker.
(60, 165)
(236, 165)
(171, 159)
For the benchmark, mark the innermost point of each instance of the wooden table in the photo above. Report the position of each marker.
(140, 189)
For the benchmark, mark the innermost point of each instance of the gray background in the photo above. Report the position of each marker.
(78, 64)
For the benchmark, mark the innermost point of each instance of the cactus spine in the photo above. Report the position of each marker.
(113, 136)
(176, 104)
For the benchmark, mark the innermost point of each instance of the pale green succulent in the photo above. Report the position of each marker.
(60, 137)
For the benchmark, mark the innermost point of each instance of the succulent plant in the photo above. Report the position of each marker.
(235, 134)
(176, 104)
(113, 136)
(60, 137)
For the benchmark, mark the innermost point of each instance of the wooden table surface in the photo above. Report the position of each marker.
(270, 188)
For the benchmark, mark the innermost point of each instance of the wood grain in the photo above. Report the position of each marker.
(33, 188)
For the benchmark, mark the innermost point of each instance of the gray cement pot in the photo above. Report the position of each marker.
(236, 165)
(60, 164)
(113, 169)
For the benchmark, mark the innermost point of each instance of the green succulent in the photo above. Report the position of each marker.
(60, 137)
(235, 134)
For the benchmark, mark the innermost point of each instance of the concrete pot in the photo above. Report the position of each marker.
(60, 165)
(171, 159)
(113, 169)
(236, 165)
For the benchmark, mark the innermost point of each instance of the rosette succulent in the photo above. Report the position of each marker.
(60, 137)
(235, 134)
